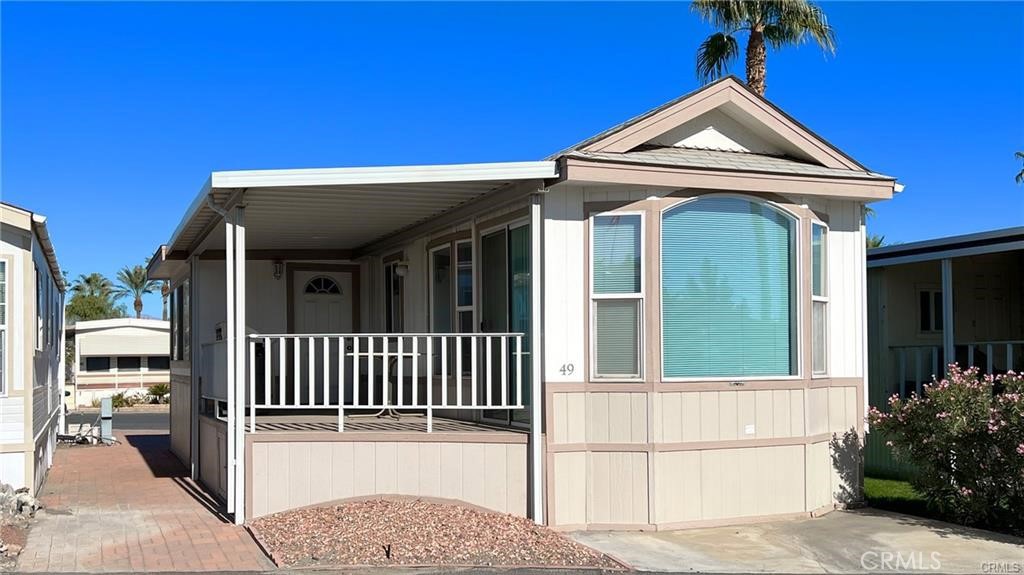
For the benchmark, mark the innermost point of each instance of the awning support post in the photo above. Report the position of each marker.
(948, 343)
(536, 367)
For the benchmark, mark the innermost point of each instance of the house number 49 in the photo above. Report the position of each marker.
(567, 369)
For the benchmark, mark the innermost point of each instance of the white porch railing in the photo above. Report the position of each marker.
(915, 366)
(994, 356)
(345, 372)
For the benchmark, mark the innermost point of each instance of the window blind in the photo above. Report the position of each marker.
(617, 331)
(727, 289)
(617, 254)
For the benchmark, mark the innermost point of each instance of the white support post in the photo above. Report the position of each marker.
(193, 358)
(240, 365)
(229, 350)
(949, 353)
(537, 390)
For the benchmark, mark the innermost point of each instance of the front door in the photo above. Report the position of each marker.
(323, 302)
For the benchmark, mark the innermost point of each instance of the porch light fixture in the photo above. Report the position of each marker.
(401, 269)
(278, 270)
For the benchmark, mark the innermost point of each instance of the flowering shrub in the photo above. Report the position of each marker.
(965, 435)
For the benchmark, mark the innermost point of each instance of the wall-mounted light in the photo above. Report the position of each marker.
(401, 269)
(278, 270)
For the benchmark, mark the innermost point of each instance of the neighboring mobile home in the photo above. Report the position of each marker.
(31, 348)
(931, 303)
(123, 355)
(658, 327)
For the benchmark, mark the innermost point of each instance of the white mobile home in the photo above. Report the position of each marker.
(658, 327)
(31, 348)
(121, 355)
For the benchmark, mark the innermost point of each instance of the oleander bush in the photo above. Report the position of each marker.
(965, 435)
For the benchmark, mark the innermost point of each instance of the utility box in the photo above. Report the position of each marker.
(107, 419)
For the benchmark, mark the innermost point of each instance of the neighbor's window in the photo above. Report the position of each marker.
(158, 363)
(616, 294)
(819, 299)
(929, 310)
(129, 363)
(728, 289)
(97, 364)
(3, 326)
(40, 336)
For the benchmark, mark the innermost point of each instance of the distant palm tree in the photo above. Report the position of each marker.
(775, 23)
(94, 284)
(1020, 175)
(134, 283)
(874, 241)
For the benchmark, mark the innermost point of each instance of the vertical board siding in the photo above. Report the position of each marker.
(564, 304)
(181, 409)
(728, 483)
(570, 501)
(489, 475)
(617, 488)
(686, 416)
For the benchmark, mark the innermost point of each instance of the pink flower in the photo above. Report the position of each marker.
(965, 492)
(941, 415)
(1020, 449)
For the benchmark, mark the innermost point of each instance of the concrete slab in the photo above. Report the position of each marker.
(841, 542)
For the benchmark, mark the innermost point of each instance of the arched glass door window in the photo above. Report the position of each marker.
(322, 285)
(728, 289)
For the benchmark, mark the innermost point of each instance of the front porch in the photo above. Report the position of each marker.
(380, 318)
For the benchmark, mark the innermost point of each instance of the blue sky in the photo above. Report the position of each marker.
(112, 115)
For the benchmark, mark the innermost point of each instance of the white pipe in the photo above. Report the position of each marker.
(240, 364)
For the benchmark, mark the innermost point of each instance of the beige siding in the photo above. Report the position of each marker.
(286, 475)
(725, 415)
(570, 488)
(617, 488)
(728, 483)
(213, 455)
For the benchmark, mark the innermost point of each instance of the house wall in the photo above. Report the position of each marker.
(484, 469)
(29, 406)
(657, 454)
(213, 455)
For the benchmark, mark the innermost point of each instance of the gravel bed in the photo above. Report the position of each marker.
(415, 532)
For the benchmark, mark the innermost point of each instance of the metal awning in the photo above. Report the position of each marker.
(337, 208)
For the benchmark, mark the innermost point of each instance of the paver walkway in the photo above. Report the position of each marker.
(131, 507)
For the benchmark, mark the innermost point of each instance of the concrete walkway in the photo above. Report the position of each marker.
(840, 542)
(131, 507)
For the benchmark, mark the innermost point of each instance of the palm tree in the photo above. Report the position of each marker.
(94, 284)
(775, 23)
(134, 283)
(874, 241)
(1020, 175)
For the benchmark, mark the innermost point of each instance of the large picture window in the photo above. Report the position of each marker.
(617, 294)
(728, 289)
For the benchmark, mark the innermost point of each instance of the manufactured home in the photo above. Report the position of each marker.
(661, 326)
(120, 355)
(931, 303)
(31, 348)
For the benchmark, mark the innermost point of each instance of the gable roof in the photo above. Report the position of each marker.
(733, 97)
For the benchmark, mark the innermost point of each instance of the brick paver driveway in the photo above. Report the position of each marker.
(131, 507)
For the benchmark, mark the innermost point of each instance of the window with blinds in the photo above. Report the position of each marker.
(819, 299)
(617, 294)
(728, 289)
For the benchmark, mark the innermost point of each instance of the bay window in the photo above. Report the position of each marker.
(617, 295)
(819, 298)
(728, 289)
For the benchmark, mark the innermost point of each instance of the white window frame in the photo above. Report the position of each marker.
(39, 310)
(4, 352)
(801, 312)
(471, 308)
(639, 297)
(824, 299)
(452, 289)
